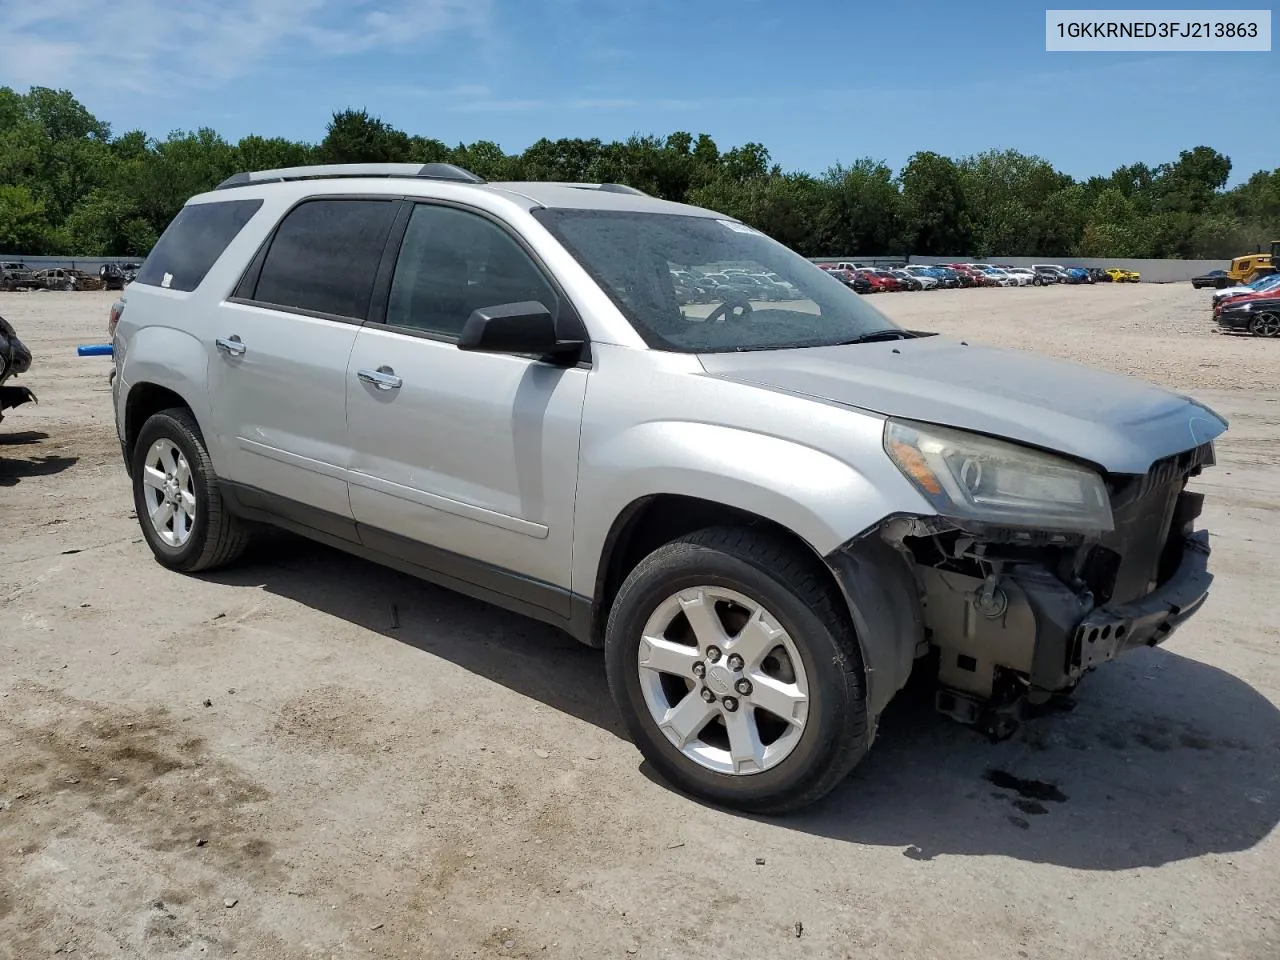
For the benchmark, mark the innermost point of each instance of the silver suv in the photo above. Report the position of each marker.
(766, 512)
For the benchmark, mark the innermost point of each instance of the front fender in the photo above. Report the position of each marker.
(823, 500)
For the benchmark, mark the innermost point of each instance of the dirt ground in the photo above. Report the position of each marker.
(262, 763)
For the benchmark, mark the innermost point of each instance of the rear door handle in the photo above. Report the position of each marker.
(232, 346)
(384, 378)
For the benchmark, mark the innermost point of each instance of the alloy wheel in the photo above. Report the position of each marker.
(1265, 325)
(169, 493)
(723, 680)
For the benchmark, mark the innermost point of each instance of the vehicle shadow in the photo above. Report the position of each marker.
(22, 437)
(1162, 759)
(12, 471)
(528, 657)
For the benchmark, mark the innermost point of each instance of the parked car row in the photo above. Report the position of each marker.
(1250, 308)
(711, 285)
(916, 276)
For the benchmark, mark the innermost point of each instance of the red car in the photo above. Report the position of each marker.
(1235, 301)
(878, 283)
(977, 278)
(895, 283)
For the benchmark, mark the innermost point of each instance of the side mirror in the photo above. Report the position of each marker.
(525, 327)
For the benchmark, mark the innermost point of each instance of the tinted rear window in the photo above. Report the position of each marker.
(325, 255)
(193, 242)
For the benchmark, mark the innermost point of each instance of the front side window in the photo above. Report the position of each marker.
(632, 256)
(452, 263)
(324, 257)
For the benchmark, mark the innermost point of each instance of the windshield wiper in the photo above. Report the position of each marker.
(878, 336)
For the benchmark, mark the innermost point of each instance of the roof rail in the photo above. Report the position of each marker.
(316, 171)
(620, 188)
(603, 187)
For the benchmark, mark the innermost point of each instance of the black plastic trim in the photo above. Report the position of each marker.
(467, 575)
(888, 620)
(296, 311)
(254, 504)
(482, 581)
(380, 295)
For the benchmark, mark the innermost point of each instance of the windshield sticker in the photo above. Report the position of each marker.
(738, 227)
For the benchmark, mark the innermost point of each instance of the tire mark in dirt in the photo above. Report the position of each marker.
(74, 765)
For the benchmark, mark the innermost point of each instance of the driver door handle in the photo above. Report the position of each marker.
(384, 378)
(233, 346)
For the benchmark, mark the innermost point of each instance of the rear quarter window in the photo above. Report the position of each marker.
(193, 242)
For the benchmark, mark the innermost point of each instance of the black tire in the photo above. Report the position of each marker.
(793, 586)
(217, 537)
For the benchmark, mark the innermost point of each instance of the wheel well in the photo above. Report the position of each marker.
(144, 400)
(649, 522)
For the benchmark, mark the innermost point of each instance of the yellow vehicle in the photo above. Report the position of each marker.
(1251, 266)
(1118, 275)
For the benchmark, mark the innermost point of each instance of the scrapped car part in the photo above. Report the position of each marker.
(16, 275)
(669, 435)
(15, 360)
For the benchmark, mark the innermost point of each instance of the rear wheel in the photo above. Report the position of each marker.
(736, 671)
(1265, 325)
(176, 496)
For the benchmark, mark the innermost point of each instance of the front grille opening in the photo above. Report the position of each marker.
(1153, 515)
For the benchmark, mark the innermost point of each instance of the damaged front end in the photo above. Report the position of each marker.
(1017, 615)
(15, 359)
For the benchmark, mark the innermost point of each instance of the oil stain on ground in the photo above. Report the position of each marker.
(1031, 794)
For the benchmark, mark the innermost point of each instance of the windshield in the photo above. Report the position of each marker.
(633, 256)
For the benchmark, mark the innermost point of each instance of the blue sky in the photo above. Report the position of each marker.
(817, 82)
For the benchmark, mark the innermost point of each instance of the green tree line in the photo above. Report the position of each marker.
(69, 186)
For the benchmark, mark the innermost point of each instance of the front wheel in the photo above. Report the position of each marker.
(177, 499)
(735, 668)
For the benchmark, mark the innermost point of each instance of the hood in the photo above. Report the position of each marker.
(1242, 291)
(1121, 424)
(1252, 301)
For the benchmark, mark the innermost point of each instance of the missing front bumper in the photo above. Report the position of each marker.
(1148, 621)
(1042, 634)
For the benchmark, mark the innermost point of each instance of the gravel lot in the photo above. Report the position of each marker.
(261, 763)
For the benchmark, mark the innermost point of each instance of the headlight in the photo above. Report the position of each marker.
(971, 477)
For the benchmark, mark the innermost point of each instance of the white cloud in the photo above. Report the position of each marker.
(164, 46)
